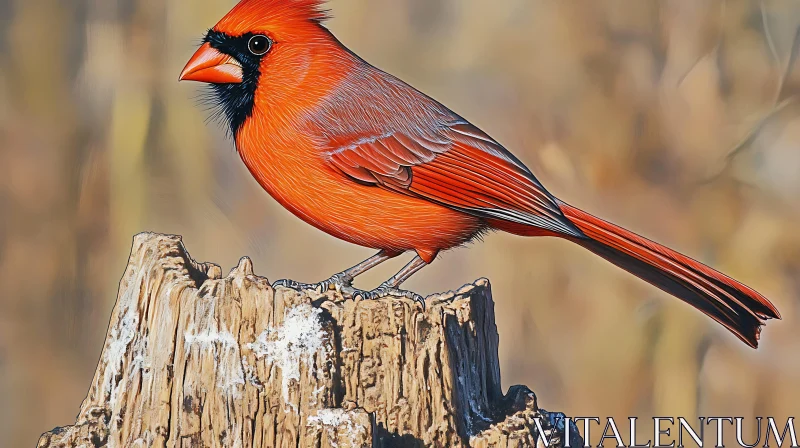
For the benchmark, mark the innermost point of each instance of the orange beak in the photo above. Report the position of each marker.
(211, 66)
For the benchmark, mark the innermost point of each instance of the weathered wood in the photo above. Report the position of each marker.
(194, 359)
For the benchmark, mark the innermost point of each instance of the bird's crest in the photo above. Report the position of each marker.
(265, 13)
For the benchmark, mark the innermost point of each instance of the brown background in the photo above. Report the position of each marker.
(628, 109)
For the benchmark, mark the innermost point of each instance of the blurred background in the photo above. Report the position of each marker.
(674, 118)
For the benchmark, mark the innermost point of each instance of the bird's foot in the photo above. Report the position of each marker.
(337, 282)
(385, 291)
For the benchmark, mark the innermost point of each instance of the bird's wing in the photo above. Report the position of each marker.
(456, 165)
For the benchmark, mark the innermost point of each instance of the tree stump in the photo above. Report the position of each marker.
(194, 359)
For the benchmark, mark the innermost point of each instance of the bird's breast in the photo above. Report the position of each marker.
(294, 172)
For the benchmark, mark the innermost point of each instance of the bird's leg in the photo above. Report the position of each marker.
(343, 279)
(390, 288)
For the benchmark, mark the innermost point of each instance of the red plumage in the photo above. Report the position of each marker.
(265, 15)
(739, 308)
(367, 158)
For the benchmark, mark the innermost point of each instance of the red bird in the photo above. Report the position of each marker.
(365, 157)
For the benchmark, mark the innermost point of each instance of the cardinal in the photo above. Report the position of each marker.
(365, 157)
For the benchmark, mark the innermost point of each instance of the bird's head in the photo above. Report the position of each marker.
(259, 45)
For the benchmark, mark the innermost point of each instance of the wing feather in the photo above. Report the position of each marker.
(456, 165)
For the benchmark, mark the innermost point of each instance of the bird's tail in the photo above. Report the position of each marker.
(739, 308)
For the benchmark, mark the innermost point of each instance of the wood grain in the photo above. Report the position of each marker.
(193, 359)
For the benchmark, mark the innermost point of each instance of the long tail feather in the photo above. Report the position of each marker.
(739, 308)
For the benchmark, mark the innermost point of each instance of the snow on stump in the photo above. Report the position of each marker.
(192, 359)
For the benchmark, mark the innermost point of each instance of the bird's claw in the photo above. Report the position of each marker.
(291, 284)
(343, 283)
(387, 291)
(336, 282)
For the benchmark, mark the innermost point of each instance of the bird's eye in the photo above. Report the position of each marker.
(259, 45)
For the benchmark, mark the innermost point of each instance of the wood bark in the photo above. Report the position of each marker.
(195, 359)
